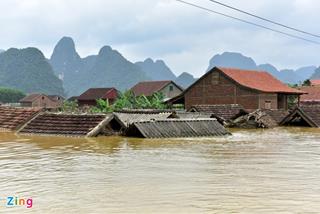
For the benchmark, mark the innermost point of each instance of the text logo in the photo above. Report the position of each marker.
(16, 201)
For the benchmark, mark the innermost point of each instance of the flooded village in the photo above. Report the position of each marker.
(222, 98)
(233, 137)
(160, 107)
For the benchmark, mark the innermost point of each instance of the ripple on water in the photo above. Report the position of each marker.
(252, 171)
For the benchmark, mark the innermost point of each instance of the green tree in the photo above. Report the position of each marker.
(8, 95)
(102, 106)
(70, 106)
(306, 83)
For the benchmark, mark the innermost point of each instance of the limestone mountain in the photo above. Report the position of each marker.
(29, 71)
(231, 59)
(156, 70)
(110, 69)
(316, 74)
(107, 69)
(65, 61)
(237, 60)
(185, 80)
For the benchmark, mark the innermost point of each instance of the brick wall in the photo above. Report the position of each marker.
(216, 88)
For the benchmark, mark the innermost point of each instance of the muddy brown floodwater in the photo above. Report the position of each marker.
(253, 171)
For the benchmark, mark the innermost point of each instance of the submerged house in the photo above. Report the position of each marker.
(42, 101)
(66, 125)
(91, 96)
(223, 113)
(177, 128)
(250, 89)
(312, 97)
(120, 121)
(307, 116)
(12, 118)
(168, 88)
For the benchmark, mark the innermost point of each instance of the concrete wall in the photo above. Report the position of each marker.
(171, 93)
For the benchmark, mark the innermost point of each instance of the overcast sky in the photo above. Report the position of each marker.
(185, 37)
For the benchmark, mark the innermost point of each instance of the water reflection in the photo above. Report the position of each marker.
(255, 171)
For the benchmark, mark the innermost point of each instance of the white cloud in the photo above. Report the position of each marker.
(185, 37)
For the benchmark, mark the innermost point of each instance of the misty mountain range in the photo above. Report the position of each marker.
(66, 73)
(237, 60)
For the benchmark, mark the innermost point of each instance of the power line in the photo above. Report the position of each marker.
(248, 22)
(265, 19)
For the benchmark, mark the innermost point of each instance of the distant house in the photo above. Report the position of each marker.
(306, 116)
(250, 89)
(42, 101)
(168, 88)
(312, 97)
(90, 96)
(315, 82)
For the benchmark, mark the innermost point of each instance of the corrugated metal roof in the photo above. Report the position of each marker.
(193, 115)
(177, 128)
(128, 118)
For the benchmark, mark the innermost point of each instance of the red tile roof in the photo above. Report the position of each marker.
(98, 93)
(313, 94)
(30, 98)
(258, 80)
(150, 87)
(12, 118)
(315, 82)
(62, 124)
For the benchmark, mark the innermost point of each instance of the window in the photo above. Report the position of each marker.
(171, 88)
(267, 104)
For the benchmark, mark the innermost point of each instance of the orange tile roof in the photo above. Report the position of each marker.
(258, 80)
(315, 82)
(313, 94)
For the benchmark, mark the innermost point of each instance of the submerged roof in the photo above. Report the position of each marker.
(177, 128)
(148, 88)
(62, 124)
(96, 93)
(258, 80)
(313, 94)
(13, 118)
(192, 115)
(225, 111)
(309, 114)
(125, 119)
